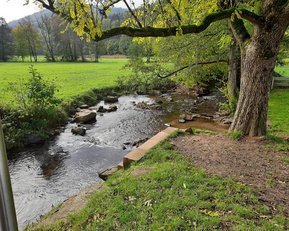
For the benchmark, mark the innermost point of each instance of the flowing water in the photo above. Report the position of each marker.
(45, 176)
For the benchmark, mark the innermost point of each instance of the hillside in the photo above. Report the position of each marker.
(34, 17)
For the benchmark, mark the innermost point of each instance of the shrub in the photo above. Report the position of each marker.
(37, 110)
(144, 77)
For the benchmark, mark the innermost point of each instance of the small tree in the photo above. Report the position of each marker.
(20, 45)
(35, 99)
(32, 38)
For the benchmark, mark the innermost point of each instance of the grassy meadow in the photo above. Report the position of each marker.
(71, 79)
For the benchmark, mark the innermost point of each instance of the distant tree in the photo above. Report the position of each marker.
(47, 30)
(32, 37)
(135, 50)
(21, 49)
(6, 41)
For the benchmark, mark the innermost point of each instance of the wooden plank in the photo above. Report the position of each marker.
(281, 78)
(281, 84)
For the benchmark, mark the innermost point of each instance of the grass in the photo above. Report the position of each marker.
(71, 79)
(279, 111)
(235, 135)
(173, 195)
(283, 70)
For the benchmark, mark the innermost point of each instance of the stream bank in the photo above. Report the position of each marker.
(43, 177)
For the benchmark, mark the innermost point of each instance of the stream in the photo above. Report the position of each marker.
(43, 177)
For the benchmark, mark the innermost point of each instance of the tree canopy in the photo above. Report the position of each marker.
(258, 27)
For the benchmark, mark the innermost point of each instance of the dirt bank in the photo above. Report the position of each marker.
(252, 162)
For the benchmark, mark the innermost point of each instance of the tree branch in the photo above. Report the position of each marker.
(238, 30)
(172, 31)
(250, 16)
(191, 65)
(132, 13)
(176, 11)
(163, 32)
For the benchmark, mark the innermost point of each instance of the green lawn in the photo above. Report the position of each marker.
(71, 78)
(279, 111)
(172, 195)
(283, 70)
(279, 106)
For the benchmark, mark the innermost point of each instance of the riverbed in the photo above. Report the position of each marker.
(43, 177)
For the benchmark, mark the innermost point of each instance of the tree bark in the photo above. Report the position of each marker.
(258, 62)
(234, 75)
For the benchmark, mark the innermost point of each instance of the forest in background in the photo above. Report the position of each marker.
(44, 34)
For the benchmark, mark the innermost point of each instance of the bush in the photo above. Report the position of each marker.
(144, 77)
(37, 111)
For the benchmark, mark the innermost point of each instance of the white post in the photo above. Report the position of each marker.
(8, 221)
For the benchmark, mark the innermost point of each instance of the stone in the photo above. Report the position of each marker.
(106, 173)
(196, 116)
(189, 118)
(227, 121)
(134, 143)
(84, 106)
(182, 121)
(168, 125)
(111, 99)
(182, 116)
(111, 109)
(85, 116)
(139, 142)
(78, 131)
(101, 109)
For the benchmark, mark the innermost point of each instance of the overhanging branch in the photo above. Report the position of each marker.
(191, 65)
(172, 31)
(163, 32)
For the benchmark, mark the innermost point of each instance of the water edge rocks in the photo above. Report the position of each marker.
(111, 99)
(85, 116)
(78, 131)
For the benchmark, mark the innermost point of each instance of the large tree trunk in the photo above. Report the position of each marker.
(258, 62)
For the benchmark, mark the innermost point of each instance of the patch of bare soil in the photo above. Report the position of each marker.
(249, 161)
